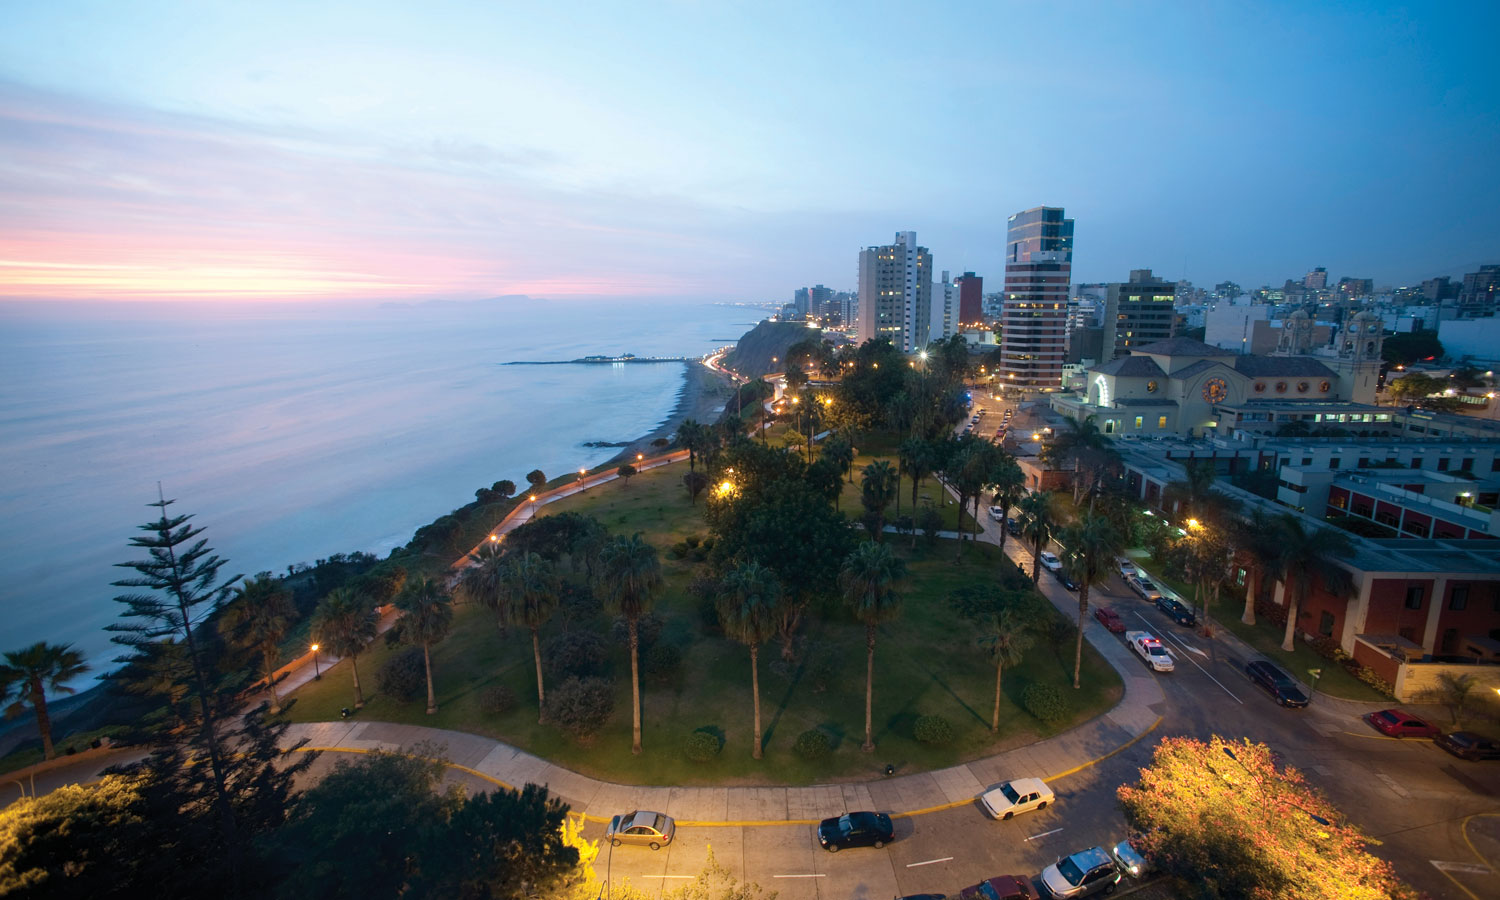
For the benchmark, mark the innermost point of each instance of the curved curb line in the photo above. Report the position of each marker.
(754, 823)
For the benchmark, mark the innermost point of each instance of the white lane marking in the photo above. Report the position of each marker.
(1169, 636)
(1042, 835)
(819, 875)
(1466, 868)
(1394, 785)
(666, 876)
(928, 862)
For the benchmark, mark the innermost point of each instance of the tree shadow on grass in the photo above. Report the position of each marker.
(786, 700)
(940, 682)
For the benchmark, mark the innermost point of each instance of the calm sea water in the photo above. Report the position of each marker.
(294, 433)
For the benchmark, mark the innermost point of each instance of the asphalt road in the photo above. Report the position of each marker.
(1426, 807)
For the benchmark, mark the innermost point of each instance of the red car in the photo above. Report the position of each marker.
(1001, 887)
(1110, 619)
(1396, 723)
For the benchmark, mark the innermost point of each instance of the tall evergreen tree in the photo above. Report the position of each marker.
(227, 780)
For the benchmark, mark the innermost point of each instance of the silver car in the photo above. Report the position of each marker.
(1128, 857)
(651, 829)
(1084, 874)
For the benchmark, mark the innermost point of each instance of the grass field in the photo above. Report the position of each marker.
(927, 663)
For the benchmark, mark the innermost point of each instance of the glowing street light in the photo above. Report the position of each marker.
(1194, 523)
(317, 673)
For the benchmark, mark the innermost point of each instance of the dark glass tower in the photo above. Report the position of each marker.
(1034, 315)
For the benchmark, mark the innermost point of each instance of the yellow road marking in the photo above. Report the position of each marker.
(1373, 737)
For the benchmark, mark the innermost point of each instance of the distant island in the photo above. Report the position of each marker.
(600, 359)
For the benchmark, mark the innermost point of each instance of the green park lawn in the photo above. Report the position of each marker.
(1265, 639)
(927, 663)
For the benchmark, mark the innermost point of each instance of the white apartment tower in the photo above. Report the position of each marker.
(895, 293)
(945, 309)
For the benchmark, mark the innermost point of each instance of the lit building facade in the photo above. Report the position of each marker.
(895, 293)
(1137, 312)
(970, 299)
(1033, 317)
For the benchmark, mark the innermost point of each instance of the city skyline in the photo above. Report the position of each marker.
(216, 152)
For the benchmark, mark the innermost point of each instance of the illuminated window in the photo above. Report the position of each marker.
(1138, 420)
(1161, 421)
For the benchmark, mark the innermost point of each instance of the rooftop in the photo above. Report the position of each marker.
(1182, 346)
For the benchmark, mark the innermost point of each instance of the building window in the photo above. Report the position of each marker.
(1416, 462)
(1333, 463)
(1458, 598)
(1364, 462)
(1239, 577)
(1495, 463)
(1307, 460)
(1467, 465)
(1325, 624)
(1414, 597)
(1161, 421)
(1443, 464)
(1138, 421)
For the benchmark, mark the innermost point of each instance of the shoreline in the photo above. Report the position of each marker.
(702, 397)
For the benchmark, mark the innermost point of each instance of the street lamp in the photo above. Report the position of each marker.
(317, 674)
(1315, 674)
(1262, 791)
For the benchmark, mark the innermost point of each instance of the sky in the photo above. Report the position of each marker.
(206, 151)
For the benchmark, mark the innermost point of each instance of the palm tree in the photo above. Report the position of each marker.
(749, 610)
(257, 619)
(1037, 523)
(1090, 545)
(631, 580)
(840, 451)
(1308, 554)
(1077, 440)
(345, 623)
(1257, 548)
(528, 591)
(28, 674)
(426, 617)
(867, 581)
(692, 436)
(878, 485)
(1005, 642)
(1010, 484)
(1194, 496)
(480, 583)
(917, 460)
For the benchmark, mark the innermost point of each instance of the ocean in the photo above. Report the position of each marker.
(293, 432)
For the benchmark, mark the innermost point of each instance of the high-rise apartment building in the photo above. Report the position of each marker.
(1033, 318)
(1137, 312)
(945, 306)
(895, 293)
(1478, 297)
(1316, 280)
(970, 299)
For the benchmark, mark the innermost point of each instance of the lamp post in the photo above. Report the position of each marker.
(1315, 674)
(317, 674)
(582, 485)
(1260, 789)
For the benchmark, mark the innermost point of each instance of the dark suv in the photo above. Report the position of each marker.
(1277, 683)
(1176, 611)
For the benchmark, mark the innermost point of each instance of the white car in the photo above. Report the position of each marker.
(1018, 796)
(1126, 567)
(1050, 562)
(1142, 584)
(1150, 648)
(997, 513)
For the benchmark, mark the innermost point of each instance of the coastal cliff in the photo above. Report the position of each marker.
(763, 348)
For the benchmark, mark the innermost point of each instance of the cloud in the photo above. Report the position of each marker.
(109, 202)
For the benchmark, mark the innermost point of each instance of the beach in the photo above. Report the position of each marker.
(702, 398)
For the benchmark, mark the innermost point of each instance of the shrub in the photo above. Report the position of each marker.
(497, 699)
(403, 677)
(701, 746)
(812, 744)
(664, 662)
(677, 550)
(578, 653)
(581, 706)
(1045, 702)
(1369, 677)
(693, 540)
(933, 730)
(708, 542)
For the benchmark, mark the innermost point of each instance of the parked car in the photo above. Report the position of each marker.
(1468, 745)
(1143, 586)
(1016, 796)
(1110, 619)
(997, 513)
(1398, 723)
(1149, 648)
(1125, 567)
(1277, 683)
(1084, 874)
(924, 897)
(1050, 562)
(1176, 611)
(856, 829)
(651, 829)
(1001, 887)
(1013, 526)
(1129, 858)
(1066, 580)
